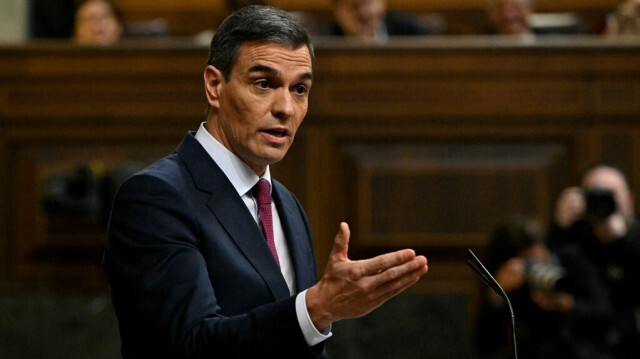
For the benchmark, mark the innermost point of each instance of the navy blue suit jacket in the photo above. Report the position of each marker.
(190, 272)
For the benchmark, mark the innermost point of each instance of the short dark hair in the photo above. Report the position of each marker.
(255, 23)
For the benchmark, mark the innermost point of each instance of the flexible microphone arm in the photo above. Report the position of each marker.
(488, 279)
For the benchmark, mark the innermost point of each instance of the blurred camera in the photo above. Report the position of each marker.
(87, 193)
(543, 276)
(76, 194)
(600, 203)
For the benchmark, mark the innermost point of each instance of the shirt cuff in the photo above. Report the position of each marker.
(311, 334)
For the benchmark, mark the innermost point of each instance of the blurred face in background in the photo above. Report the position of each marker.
(359, 17)
(509, 17)
(611, 179)
(96, 23)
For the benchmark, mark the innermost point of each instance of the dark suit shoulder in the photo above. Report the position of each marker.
(164, 174)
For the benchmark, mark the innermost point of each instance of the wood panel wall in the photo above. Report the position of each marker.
(421, 143)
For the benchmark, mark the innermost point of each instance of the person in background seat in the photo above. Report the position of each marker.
(370, 21)
(509, 17)
(97, 23)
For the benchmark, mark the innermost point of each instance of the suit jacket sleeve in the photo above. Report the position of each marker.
(167, 273)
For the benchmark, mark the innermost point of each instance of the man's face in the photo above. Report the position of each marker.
(359, 17)
(256, 113)
(96, 24)
(509, 17)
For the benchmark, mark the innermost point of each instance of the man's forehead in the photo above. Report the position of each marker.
(259, 51)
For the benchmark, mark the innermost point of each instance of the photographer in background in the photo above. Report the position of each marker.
(560, 305)
(599, 220)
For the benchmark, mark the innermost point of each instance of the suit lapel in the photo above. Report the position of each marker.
(231, 212)
(297, 236)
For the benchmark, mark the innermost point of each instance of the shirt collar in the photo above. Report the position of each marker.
(242, 177)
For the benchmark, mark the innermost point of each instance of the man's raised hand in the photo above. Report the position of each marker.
(351, 289)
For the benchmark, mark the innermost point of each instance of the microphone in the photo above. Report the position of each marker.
(488, 279)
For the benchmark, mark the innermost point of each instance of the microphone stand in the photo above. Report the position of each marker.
(488, 279)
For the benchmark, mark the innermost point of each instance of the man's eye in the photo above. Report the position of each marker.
(301, 89)
(263, 84)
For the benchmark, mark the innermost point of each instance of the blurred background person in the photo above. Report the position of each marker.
(599, 218)
(560, 305)
(369, 20)
(97, 22)
(625, 19)
(509, 17)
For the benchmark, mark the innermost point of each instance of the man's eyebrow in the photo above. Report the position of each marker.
(263, 68)
(270, 70)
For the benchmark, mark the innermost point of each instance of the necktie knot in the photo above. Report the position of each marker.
(262, 192)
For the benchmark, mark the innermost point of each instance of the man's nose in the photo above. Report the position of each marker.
(282, 103)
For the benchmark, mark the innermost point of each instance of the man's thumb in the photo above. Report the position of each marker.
(341, 243)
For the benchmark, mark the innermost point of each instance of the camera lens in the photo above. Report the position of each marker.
(600, 203)
(541, 276)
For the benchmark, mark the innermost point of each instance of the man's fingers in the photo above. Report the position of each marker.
(340, 249)
(393, 285)
(385, 261)
(416, 266)
(396, 275)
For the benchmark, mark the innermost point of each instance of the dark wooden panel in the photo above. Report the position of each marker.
(81, 98)
(464, 95)
(447, 194)
(620, 145)
(617, 95)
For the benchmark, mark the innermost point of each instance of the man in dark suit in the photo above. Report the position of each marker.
(197, 268)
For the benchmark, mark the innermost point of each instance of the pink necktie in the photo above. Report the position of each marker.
(262, 193)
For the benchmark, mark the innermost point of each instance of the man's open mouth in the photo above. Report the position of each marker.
(277, 132)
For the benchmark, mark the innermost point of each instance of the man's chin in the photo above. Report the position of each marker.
(270, 157)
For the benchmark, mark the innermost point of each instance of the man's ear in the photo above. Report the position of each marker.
(213, 79)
